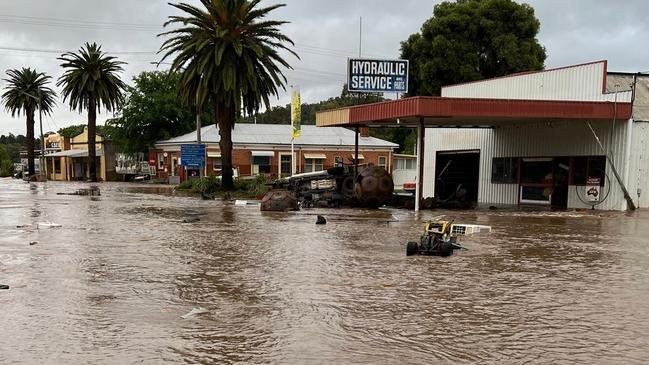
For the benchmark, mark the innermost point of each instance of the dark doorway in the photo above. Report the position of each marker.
(457, 176)
(561, 174)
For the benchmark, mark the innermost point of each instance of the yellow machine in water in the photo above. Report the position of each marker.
(440, 238)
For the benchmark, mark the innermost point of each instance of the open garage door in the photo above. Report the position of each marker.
(457, 175)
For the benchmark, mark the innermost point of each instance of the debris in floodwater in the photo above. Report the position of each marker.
(195, 312)
(48, 225)
(321, 220)
(4, 287)
(191, 220)
(32, 243)
(245, 203)
(92, 191)
(23, 226)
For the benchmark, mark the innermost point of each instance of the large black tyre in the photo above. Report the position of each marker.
(347, 186)
(446, 249)
(412, 248)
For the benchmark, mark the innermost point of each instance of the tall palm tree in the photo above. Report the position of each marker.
(26, 92)
(228, 55)
(91, 80)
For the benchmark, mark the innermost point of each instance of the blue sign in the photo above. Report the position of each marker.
(192, 155)
(377, 76)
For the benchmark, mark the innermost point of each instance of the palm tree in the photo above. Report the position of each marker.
(91, 80)
(26, 92)
(228, 55)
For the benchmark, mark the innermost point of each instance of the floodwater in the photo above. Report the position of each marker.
(118, 282)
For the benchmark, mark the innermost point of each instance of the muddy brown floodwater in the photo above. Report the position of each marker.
(117, 282)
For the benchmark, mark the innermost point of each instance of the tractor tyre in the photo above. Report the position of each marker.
(446, 249)
(412, 248)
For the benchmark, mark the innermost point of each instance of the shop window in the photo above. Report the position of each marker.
(383, 162)
(313, 164)
(161, 161)
(536, 170)
(504, 170)
(217, 164)
(57, 165)
(588, 167)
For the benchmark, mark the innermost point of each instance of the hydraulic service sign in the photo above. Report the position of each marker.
(192, 155)
(377, 76)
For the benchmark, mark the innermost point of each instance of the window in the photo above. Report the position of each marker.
(285, 166)
(57, 165)
(383, 162)
(338, 161)
(260, 165)
(313, 164)
(584, 167)
(504, 170)
(217, 164)
(161, 161)
(536, 171)
(411, 164)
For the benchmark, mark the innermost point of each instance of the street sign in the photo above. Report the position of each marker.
(593, 189)
(192, 155)
(377, 76)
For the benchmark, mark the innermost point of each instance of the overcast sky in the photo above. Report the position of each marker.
(325, 33)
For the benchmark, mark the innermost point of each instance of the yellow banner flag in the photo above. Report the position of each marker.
(296, 112)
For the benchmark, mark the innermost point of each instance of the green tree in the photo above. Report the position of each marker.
(470, 40)
(26, 92)
(228, 55)
(152, 112)
(6, 164)
(91, 80)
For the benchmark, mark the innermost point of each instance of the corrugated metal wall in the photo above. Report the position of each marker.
(551, 139)
(581, 82)
(639, 171)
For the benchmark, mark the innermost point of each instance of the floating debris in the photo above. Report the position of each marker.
(195, 312)
(32, 243)
(48, 225)
(92, 191)
(321, 220)
(4, 287)
(191, 220)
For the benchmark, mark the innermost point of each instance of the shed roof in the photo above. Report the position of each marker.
(280, 134)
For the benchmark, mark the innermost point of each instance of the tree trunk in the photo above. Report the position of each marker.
(225, 119)
(92, 140)
(30, 143)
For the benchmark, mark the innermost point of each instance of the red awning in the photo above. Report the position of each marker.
(438, 111)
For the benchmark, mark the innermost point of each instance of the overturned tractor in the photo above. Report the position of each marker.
(335, 187)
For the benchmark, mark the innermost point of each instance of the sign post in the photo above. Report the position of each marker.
(593, 190)
(192, 156)
(377, 76)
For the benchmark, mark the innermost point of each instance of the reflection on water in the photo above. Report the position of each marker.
(112, 284)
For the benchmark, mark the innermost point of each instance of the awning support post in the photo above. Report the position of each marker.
(419, 188)
(357, 129)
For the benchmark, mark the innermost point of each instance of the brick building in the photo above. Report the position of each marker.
(266, 149)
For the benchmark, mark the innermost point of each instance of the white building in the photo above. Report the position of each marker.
(547, 162)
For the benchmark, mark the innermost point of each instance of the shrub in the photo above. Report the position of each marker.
(207, 186)
(6, 168)
(256, 186)
(186, 185)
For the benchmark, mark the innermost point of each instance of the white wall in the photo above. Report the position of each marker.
(580, 82)
(639, 164)
(551, 139)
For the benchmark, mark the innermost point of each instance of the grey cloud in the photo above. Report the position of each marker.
(325, 33)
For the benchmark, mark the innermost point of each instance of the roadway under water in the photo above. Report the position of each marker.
(111, 286)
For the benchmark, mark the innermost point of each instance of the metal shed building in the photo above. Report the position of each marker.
(549, 162)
